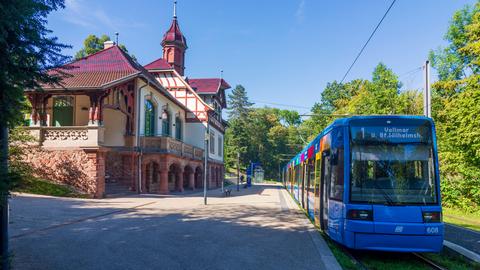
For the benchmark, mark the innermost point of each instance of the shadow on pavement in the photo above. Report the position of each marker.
(227, 234)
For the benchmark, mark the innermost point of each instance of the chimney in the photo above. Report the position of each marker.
(107, 44)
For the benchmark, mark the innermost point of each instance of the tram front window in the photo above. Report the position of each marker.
(401, 173)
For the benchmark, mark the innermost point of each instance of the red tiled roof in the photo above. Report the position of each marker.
(208, 86)
(96, 70)
(174, 34)
(160, 63)
(103, 69)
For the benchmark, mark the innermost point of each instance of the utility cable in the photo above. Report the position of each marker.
(366, 43)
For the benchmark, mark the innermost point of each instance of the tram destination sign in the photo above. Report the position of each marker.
(398, 134)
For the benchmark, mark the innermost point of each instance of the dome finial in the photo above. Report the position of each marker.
(175, 9)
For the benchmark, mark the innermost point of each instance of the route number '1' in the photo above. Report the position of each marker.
(432, 230)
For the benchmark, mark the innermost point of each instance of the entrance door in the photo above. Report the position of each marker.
(63, 111)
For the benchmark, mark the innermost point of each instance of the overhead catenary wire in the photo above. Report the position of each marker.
(368, 40)
(412, 71)
(280, 104)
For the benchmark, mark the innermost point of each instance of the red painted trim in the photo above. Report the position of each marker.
(166, 79)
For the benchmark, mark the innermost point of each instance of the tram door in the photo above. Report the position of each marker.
(335, 186)
(296, 187)
(310, 174)
(325, 177)
(302, 185)
(316, 190)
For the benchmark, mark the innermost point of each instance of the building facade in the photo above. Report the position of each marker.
(112, 125)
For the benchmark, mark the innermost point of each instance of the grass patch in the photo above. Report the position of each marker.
(390, 260)
(451, 260)
(343, 259)
(461, 218)
(43, 187)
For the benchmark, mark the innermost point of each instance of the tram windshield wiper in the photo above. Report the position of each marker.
(388, 199)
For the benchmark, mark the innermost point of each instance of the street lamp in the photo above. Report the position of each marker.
(207, 138)
(238, 171)
(165, 112)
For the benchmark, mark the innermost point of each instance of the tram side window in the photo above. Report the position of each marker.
(311, 175)
(318, 167)
(297, 174)
(337, 161)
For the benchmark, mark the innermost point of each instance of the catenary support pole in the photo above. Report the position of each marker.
(427, 94)
(238, 171)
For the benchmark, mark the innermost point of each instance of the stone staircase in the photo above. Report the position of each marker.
(116, 189)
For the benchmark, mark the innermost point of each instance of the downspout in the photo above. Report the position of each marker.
(137, 137)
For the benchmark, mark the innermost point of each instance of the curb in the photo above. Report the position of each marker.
(328, 259)
(463, 251)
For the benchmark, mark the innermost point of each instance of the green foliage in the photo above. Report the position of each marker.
(265, 135)
(381, 95)
(26, 51)
(19, 141)
(38, 186)
(456, 109)
(237, 138)
(93, 44)
(272, 136)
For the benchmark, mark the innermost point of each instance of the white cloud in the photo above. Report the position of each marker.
(300, 12)
(88, 15)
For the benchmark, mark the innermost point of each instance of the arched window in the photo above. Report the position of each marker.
(149, 118)
(178, 128)
(165, 123)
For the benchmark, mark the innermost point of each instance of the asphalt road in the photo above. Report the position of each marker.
(468, 239)
(257, 228)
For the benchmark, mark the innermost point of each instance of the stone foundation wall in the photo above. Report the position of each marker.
(82, 169)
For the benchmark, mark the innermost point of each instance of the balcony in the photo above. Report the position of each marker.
(72, 136)
(170, 146)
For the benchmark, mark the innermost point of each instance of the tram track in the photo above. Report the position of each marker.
(362, 266)
(429, 262)
(354, 259)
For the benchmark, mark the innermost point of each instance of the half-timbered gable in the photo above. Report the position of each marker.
(183, 92)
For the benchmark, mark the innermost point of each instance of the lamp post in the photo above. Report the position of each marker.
(207, 138)
(238, 171)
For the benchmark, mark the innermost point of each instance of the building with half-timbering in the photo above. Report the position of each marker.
(112, 125)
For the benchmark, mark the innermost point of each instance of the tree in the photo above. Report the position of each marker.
(26, 51)
(456, 107)
(449, 61)
(238, 103)
(236, 136)
(289, 118)
(93, 44)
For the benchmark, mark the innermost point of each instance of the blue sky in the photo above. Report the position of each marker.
(282, 52)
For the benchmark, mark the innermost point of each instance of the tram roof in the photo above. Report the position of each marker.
(346, 121)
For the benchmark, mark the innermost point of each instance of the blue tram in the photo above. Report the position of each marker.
(372, 182)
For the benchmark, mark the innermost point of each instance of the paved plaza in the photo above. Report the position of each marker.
(256, 228)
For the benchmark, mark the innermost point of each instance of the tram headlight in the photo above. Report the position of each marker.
(429, 217)
(360, 214)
